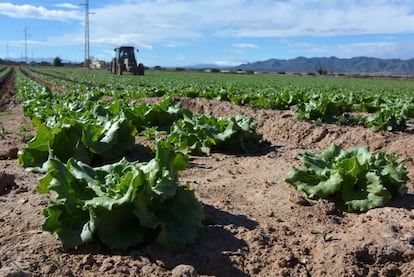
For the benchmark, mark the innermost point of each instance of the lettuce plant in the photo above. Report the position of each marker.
(122, 204)
(86, 141)
(356, 176)
(199, 134)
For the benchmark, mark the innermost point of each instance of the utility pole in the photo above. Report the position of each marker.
(86, 4)
(25, 44)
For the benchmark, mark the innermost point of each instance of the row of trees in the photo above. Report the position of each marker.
(57, 61)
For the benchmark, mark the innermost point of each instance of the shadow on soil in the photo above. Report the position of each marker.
(218, 253)
(405, 202)
(256, 150)
(215, 253)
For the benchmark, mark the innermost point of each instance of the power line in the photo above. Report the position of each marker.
(25, 44)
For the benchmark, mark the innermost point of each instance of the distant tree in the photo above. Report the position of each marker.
(57, 61)
(322, 71)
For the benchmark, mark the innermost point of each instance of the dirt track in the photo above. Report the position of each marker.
(256, 224)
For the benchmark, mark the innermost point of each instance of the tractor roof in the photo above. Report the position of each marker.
(124, 47)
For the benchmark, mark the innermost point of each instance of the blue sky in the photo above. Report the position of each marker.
(223, 32)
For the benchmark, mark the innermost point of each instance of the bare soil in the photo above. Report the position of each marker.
(256, 224)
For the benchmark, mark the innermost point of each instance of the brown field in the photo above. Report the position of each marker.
(256, 224)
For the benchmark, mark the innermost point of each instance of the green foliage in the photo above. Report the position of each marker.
(356, 176)
(388, 119)
(96, 132)
(161, 115)
(122, 204)
(338, 100)
(326, 109)
(86, 141)
(199, 134)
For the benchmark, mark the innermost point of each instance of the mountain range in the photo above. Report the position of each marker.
(356, 65)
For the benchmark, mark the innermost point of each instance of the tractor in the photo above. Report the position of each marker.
(124, 61)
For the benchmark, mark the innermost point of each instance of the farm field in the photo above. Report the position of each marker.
(254, 223)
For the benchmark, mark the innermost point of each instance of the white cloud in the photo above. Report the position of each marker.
(182, 24)
(149, 21)
(68, 6)
(246, 45)
(144, 22)
(38, 12)
(324, 18)
(226, 63)
(382, 49)
(378, 48)
(161, 20)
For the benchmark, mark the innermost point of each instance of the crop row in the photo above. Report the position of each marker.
(377, 104)
(4, 72)
(85, 146)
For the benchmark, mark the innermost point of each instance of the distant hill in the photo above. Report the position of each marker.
(334, 65)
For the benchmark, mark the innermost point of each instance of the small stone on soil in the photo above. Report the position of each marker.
(184, 271)
(336, 219)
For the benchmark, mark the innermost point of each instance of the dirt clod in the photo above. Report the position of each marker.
(6, 182)
(9, 153)
(184, 271)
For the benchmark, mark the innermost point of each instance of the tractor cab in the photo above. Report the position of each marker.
(124, 61)
(124, 53)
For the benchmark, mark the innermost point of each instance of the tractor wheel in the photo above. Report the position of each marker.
(141, 69)
(113, 66)
(119, 69)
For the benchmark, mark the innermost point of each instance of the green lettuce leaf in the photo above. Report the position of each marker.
(180, 220)
(200, 134)
(72, 227)
(85, 141)
(122, 204)
(361, 180)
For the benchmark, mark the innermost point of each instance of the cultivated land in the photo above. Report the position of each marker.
(255, 223)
